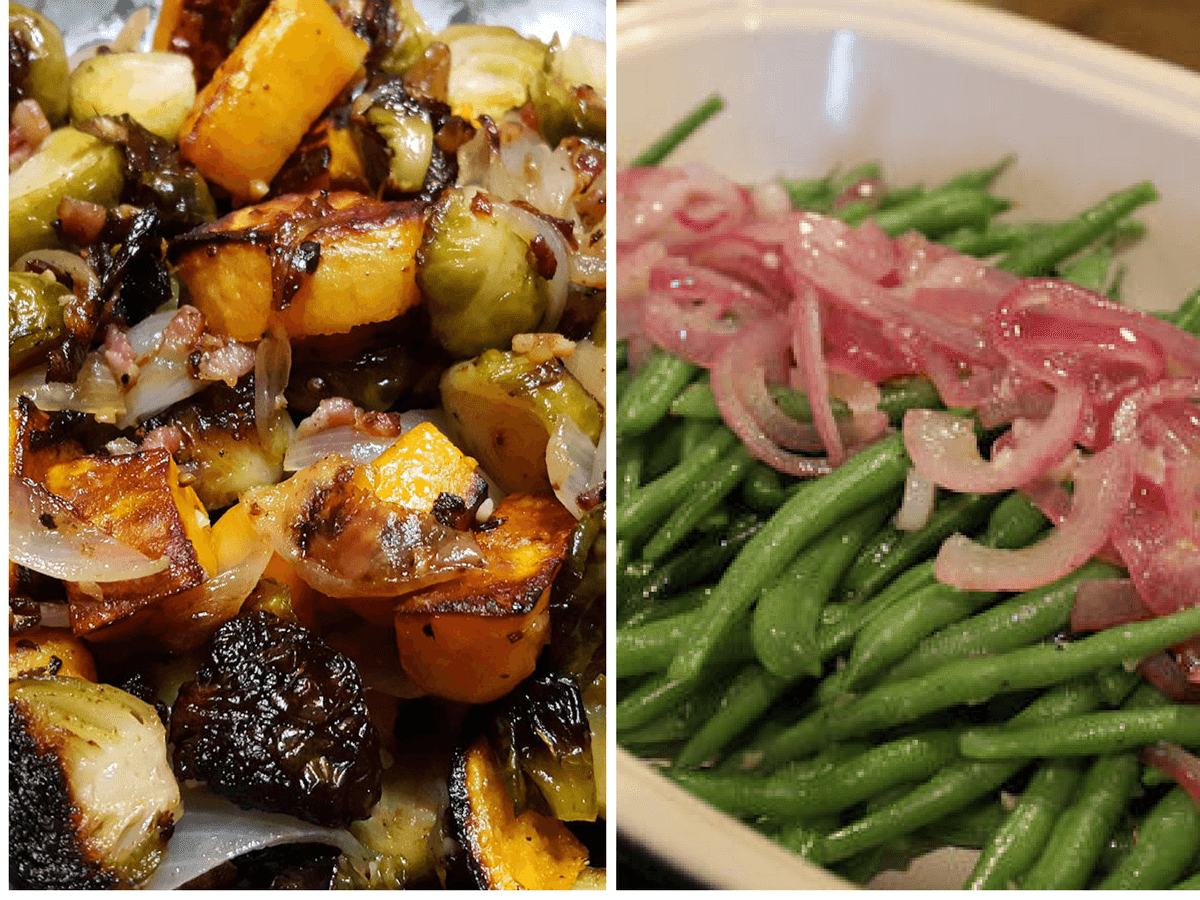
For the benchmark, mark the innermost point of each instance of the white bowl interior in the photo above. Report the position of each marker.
(928, 88)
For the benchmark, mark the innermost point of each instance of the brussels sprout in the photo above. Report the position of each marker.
(566, 95)
(69, 163)
(37, 62)
(156, 89)
(503, 407)
(92, 800)
(411, 40)
(479, 285)
(35, 316)
(491, 68)
(408, 133)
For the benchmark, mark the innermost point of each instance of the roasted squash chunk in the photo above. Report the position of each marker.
(309, 263)
(426, 472)
(328, 159)
(136, 498)
(506, 851)
(49, 651)
(205, 31)
(474, 638)
(262, 98)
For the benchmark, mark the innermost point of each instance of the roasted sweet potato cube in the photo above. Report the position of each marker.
(425, 471)
(205, 31)
(507, 851)
(354, 264)
(474, 637)
(136, 498)
(33, 445)
(282, 74)
(328, 159)
(49, 651)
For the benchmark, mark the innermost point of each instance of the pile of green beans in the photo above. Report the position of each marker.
(787, 655)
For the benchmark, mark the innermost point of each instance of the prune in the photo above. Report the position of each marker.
(275, 720)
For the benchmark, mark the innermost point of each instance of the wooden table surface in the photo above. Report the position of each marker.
(1167, 29)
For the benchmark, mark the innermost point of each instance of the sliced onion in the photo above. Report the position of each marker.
(272, 368)
(73, 550)
(570, 458)
(916, 506)
(345, 440)
(1106, 602)
(1179, 764)
(807, 347)
(1103, 484)
(95, 391)
(529, 226)
(944, 450)
(586, 363)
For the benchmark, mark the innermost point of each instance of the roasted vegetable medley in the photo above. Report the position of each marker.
(306, 483)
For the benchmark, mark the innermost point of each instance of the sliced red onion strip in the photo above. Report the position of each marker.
(808, 349)
(1106, 602)
(1102, 487)
(272, 368)
(943, 447)
(1179, 764)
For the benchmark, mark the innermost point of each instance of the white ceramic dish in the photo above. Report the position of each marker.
(928, 88)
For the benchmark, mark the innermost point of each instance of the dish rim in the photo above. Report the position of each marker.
(1154, 89)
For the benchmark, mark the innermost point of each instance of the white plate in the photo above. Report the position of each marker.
(927, 88)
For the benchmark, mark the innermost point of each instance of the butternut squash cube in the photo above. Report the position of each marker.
(507, 851)
(473, 638)
(138, 499)
(263, 97)
(354, 264)
(49, 651)
(425, 471)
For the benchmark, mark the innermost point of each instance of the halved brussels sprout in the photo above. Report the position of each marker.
(479, 284)
(37, 62)
(156, 89)
(69, 163)
(35, 315)
(491, 68)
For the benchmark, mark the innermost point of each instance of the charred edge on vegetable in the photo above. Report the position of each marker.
(43, 818)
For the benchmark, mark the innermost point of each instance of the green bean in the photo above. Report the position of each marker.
(680, 131)
(898, 195)
(979, 179)
(649, 647)
(746, 698)
(1089, 735)
(763, 488)
(696, 401)
(1039, 256)
(1187, 316)
(693, 433)
(836, 788)
(894, 550)
(631, 461)
(667, 607)
(954, 787)
(941, 211)
(1190, 883)
(1018, 622)
(678, 722)
(1090, 270)
(973, 680)
(661, 693)
(652, 503)
(860, 481)
(998, 237)
(662, 376)
(664, 449)
(785, 619)
(1116, 684)
(808, 193)
(1167, 840)
(1018, 843)
(707, 494)
(900, 394)
(1077, 841)
(971, 827)
(867, 171)
(644, 584)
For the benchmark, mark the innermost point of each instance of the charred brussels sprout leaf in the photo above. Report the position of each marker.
(304, 866)
(92, 801)
(545, 728)
(479, 284)
(37, 63)
(577, 604)
(35, 315)
(275, 720)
